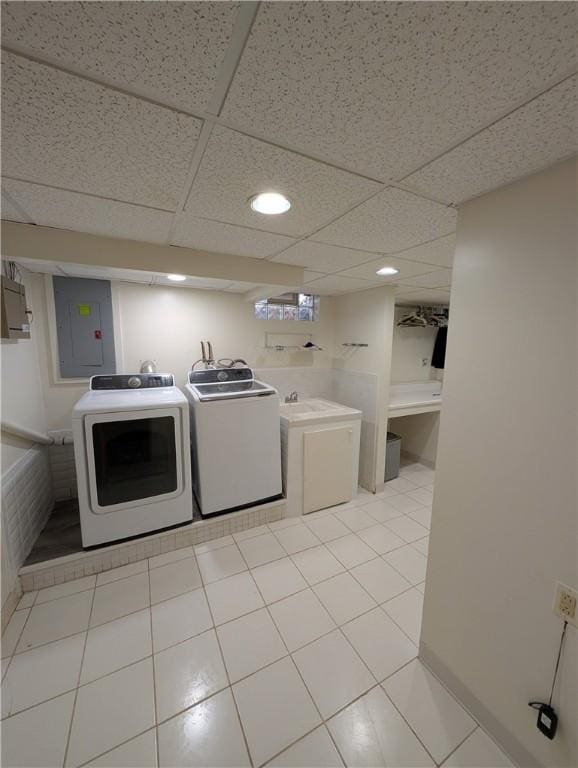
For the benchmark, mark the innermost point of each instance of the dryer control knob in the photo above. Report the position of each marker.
(222, 376)
(134, 382)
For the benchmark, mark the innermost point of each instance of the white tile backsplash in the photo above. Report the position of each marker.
(307, 382)
(352, 388)
(27, 499)
(63, 471)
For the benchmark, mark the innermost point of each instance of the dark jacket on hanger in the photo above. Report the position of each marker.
(439, 352)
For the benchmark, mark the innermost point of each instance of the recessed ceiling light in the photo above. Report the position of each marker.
(387, 271)
(177, 278)
(270, 203)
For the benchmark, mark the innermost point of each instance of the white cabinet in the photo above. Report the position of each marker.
(327, 456)
(320, 455)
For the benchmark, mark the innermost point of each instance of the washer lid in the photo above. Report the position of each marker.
(232, 389)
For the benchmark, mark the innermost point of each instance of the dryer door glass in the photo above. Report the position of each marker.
(134, 459)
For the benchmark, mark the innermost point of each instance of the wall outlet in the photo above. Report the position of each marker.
(565, 603)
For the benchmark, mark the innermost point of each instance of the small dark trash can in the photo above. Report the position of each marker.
(392, 456)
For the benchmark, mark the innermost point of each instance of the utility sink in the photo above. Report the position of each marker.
(309, 406)
(314, 410)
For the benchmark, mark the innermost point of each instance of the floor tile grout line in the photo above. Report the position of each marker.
(380, 605)
(295, 666)
(455, 698)
(63, 597)
(117, 746)
(293, 743)
(245, 740)
(460, 744)
(17, 643)
(383, 557)
(400, 713)
(398, 625)
(325, 721)
(150, 607)
(153, 667)
(78, 683)
(330, 511)
(293, 662)
(267, 606)
(89, 628)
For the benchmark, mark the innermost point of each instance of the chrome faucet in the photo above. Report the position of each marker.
(292, 398)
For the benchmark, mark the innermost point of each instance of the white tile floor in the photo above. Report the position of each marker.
(293, 644)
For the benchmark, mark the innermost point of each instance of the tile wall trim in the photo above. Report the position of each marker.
(513, 748)
(81, 564)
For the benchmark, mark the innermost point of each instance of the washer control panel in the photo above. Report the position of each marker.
(210, 375)
(132, 381)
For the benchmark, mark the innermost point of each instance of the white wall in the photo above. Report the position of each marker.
(366, 317)
(166, 324)
(23, 513)
(22, 400)
(505, 506)
(419, 435)
(410, 346)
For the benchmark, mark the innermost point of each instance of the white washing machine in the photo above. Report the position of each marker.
(132, 454)
(235, 439)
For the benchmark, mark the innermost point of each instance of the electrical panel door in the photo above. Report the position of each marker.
(84, 327)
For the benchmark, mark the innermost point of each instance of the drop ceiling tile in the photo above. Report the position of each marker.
(51, 207)
(320, 256)
(172, 49)
(9, 211)
(441, 278)
(391, 221)
(236, 167)
(531, 138)
(208, 235)
(329, 78)
(407, 269)
(68, 132)
(330, 285)
(438, 252)
(309, 275)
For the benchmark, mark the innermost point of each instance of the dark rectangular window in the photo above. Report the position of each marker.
(134, 459)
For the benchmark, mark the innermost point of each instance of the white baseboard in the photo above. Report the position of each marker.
(508, 743)
(419, 459)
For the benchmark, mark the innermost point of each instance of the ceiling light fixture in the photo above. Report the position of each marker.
(387, 271)
(270, 203)
(177, 278)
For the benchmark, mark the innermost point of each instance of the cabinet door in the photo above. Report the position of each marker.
(327, 459)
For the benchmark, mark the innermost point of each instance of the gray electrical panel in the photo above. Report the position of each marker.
(84, 327)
